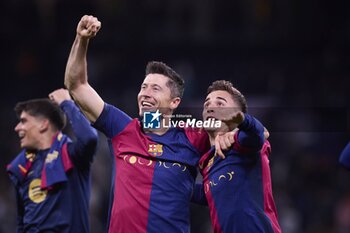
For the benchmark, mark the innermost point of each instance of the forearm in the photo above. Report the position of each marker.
(76, 68)
(85, 134)
(76, 80)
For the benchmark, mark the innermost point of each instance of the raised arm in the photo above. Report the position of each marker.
(76, 79)
(84, 147)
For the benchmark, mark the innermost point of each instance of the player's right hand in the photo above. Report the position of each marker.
(88, 26)
(59, 95)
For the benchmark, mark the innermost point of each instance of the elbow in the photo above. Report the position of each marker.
(69, 84)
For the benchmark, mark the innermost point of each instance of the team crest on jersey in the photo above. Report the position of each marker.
(155, 149)
(51, 156)
(35, 193)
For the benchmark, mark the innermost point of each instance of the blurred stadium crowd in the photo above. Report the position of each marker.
(289, 57)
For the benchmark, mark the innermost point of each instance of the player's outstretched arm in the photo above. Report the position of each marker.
(76, 79)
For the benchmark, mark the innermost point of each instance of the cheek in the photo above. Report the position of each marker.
(138, 96)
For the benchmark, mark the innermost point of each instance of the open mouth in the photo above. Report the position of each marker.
(146, 104)
(211, 118)
(21, 135)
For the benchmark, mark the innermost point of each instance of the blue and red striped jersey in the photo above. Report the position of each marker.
(62, 206)
(153, 175)
(238, 188)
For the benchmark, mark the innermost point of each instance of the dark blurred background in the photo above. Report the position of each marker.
(289, 57)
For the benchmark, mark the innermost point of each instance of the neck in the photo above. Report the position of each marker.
(45, 141)
(212, 136)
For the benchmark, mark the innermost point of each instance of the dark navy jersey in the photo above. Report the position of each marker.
(63, 207)
(238, 188)
(153, 175)
(344, 158)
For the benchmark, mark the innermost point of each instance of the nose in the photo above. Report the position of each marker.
(17, 127)
(209, 107)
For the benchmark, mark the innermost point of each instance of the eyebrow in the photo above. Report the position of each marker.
(221, 98)
(151, 84)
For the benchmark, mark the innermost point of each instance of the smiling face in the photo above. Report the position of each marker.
(219, 105)
(29, 129)
(155, 94)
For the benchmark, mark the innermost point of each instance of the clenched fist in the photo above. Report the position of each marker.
(88, 26)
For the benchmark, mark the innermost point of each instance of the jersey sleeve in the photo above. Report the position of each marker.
(199, 138)
(344, 158)
(250, 137)
(81, 151)
(112, 121)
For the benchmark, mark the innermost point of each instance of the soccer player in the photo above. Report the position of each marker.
(154, 170)
(238, 188)
(344, 158)
(52, 173)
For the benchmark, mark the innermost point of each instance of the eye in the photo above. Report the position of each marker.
(220, 104)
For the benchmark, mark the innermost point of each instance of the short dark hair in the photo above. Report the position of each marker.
(176, 84)
(224, 85)
(45, 108)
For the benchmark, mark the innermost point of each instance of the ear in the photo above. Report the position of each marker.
(44, 125)
(175, 103)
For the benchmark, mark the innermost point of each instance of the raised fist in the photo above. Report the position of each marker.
(88, 26)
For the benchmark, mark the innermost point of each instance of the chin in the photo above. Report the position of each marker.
(210, 129)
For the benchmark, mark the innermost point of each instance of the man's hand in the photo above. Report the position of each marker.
(224, 141)
(234, 120)
(59, 95)
(88, 26)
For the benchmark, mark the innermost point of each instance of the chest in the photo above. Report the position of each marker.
(173, 147)
(30, 190)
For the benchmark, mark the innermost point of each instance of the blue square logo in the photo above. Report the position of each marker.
(151, 120)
